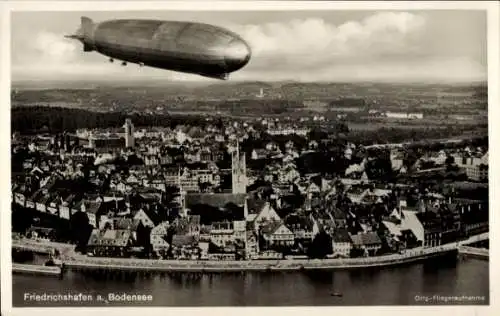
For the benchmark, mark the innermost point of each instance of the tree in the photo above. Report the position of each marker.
(81, 230)
(321, 246)
(144, 239)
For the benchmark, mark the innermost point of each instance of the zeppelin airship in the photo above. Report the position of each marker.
(194, 48)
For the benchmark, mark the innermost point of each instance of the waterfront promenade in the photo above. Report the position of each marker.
(82, 262)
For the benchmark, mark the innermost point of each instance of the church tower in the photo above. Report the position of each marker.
(239, 172)
(129, 133)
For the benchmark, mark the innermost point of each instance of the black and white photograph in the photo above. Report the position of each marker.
(281, 155)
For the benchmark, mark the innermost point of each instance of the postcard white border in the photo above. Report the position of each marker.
(491, 7)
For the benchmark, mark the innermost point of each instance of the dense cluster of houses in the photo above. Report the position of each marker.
(167, 193)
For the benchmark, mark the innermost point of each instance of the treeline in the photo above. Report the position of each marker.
(348, 102)
(397, 135)
(55, 120)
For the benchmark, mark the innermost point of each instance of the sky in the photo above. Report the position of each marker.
(309, 46)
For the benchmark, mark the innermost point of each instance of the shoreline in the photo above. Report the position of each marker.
(82, 262)
(131, 265)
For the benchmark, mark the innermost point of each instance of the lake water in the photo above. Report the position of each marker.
(401, 285)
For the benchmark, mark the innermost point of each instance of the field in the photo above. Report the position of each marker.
(441, 105)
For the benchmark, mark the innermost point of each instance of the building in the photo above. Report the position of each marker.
(341, 243)
(105, 143)
(277, 234)
(404, 115)
(239, 174)
(109, 243)
(475, 168)
(129, 133)
(222, 234)
(288, 131)
(369, 243)
(158, 237)
(252, 244)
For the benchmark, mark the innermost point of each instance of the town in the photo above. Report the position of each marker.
(236, 189)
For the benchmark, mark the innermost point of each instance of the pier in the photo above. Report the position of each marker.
(36, 269)
(43, 247)
(473, 252)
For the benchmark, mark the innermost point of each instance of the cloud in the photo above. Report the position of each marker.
(54, 48)
(313, 42)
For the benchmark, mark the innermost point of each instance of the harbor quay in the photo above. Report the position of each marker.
(81, 262)
(473, 252)
(254, 265)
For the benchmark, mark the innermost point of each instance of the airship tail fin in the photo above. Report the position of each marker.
(87, 29)
(85, 34)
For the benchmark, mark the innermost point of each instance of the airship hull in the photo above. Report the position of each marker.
(187, 47)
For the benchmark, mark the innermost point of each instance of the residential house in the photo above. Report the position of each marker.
(476, 168)
(158, 237)
(120, 186)
(41, 201)
(53, 205)
(277, 234)
(184, 247)
(30, 202)
(109, 243)
(339, 217)
(288, 174)
(124, 223)
(473, 215)
(156, 182)
(239, 230)
(266, 214)
(303, 227)
(65, 206)
(259, 154)
(396, 158)
(91, 208)
(222, 234)
(151, 160)
(252, 243)
(341, 243)
(370, 243)
(147, 217)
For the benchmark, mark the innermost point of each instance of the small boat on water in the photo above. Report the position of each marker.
(336, 294)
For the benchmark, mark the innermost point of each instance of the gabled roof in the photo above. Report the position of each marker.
(153, 215)
(341, 235)
(366, 239)
(109, 237)
(43, 199)
(338, 214)
(255, 205)
(92, 207)
(182, 240)
(218, 200)
(301, 222)
(270, 227)
(123, 223)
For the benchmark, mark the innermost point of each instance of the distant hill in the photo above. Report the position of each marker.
(125, 82)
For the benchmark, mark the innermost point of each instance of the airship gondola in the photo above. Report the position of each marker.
(188, 47)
